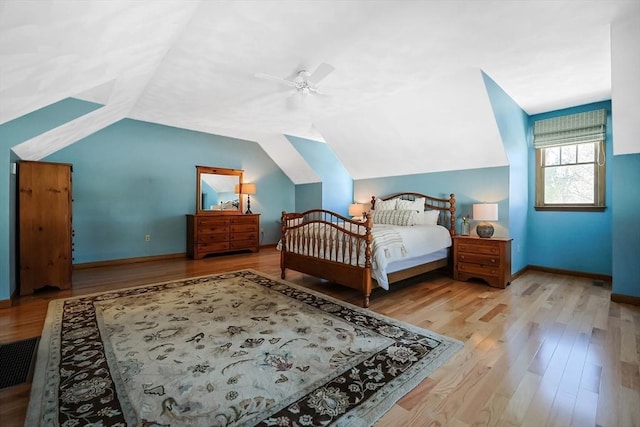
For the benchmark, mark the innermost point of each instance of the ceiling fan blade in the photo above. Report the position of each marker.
(320, 73)
(274, 78)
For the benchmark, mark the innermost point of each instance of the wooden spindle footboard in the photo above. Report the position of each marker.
(328, 245)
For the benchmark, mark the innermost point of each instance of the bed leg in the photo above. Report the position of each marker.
(365, 302)
(282, 274)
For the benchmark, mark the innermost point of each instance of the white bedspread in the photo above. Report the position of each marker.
(417, 241)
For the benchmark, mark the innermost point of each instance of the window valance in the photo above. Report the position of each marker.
(570, 129)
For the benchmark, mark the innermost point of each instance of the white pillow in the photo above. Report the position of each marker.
(405, 217)
(416, 205)
(385, 205)
(428, 217)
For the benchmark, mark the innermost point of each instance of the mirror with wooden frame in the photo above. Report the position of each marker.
(215, 191)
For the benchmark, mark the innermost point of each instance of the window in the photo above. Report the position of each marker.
(570, 162)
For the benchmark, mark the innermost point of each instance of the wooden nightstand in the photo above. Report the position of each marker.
(486, 259)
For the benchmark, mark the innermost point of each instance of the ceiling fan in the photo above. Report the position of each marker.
(304, 83)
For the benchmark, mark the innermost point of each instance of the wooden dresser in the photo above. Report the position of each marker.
(44, 226)
(213, 234)
(488, 259)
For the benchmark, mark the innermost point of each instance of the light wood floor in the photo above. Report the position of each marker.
(550, 350)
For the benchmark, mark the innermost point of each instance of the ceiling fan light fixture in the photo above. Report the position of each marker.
(304, 82)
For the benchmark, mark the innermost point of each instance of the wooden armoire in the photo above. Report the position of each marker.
(44, 225)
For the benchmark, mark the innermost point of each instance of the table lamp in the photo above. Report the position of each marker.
(485, 212)
(248, 189)
(356, 211)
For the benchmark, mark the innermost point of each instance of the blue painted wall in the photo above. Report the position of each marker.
(470, 186)
(337, 184)
(13, 133)
(308, 196)
(513, 124)
(626, 224)
(135, 178)
(7, 225)
(574, 241)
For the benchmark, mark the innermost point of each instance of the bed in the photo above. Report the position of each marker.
(387, 245)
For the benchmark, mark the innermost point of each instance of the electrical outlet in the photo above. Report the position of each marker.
(147, 237)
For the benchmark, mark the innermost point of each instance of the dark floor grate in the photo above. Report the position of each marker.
(17, 360)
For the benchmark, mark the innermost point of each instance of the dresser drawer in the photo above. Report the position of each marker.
(213, 238)
(244, 220)
(479, 259)
(213, 247)
(484, 270)
(251, 236)
(213, 225)
(214, 229)
(211, 221)
(244, 228)
(479, 248)
(243, 244)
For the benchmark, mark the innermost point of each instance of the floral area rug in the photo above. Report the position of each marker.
(233, 349)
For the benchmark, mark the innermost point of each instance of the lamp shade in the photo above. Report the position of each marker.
(485, 212)
(356, 209)
(245, 188)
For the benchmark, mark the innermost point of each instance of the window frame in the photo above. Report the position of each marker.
(599, 203)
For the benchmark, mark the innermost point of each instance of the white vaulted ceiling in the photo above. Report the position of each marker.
(406, 96)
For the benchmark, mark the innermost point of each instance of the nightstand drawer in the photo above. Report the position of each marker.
(490, 249)
(479, 259)
(485, 270)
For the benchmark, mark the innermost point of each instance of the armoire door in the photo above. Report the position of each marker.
(44, 225)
